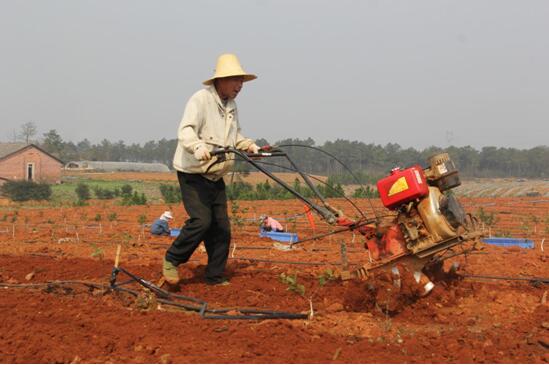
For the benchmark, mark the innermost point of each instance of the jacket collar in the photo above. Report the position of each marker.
(231, 105)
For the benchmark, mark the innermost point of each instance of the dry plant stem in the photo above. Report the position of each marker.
(343, 252)
(234, 248)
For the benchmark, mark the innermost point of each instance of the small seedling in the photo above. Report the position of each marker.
(505, 234)
(126, 238)
(487, 218)
(97, 252)
(142, 219)
(327, 275)
(293, 285)
(146, 300)
(236, 216)
(293, 222)
(80, 203)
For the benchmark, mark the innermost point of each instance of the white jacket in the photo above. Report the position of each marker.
(207, 121)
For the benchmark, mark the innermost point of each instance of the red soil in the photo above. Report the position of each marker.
(461, 321)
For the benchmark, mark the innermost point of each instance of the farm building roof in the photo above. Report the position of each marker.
(116, 166)
(7, 149)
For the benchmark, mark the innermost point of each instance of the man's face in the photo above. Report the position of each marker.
(229, 87)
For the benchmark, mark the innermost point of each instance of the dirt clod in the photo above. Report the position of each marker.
(335, 307)
(29, 276)
(165, 359)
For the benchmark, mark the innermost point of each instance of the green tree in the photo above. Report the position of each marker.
(53, 143)
(170, 193)
(82, 192)
(126, 190)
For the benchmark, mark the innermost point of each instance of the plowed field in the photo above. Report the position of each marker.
(462, 320)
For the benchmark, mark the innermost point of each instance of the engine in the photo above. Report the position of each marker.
(427, 211)
(428, 218)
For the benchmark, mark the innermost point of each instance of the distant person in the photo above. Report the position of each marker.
(210, 120)
(161, 226)
(270, 224)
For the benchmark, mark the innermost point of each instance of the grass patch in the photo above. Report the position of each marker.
(64, 193)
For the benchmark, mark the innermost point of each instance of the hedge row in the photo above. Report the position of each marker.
(26, 190)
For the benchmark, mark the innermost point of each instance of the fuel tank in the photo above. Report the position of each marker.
(402, 186)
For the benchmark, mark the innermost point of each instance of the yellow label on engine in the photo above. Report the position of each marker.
(399, 186)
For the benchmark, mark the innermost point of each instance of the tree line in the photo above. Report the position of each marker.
(363, 161)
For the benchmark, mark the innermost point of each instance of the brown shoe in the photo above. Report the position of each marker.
(218, 282)
(169, 271)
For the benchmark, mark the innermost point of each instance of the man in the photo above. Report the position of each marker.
(160, 227)
(210, 120)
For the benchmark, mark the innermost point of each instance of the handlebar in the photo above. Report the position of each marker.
(326, 211)
(219, 151)
(265, 151)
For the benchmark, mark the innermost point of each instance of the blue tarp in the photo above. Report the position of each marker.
(506, 242)
(279, 236)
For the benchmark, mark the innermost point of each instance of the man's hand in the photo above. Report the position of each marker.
(201, 153)
(253, 149)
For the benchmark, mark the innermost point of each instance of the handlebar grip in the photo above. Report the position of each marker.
(218, 151)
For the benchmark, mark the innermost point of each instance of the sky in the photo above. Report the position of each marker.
(417, 73)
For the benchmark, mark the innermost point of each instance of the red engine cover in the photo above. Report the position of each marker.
(402, 186)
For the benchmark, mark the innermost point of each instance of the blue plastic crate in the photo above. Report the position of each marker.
(279, 236)
(507, 242)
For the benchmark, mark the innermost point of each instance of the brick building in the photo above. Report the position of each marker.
(21, 161)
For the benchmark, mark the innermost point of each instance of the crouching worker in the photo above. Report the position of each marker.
(210, 119)
(270, 224)
(160, 227)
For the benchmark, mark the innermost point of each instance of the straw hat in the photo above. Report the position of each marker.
(166, 215)
(228, 65)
